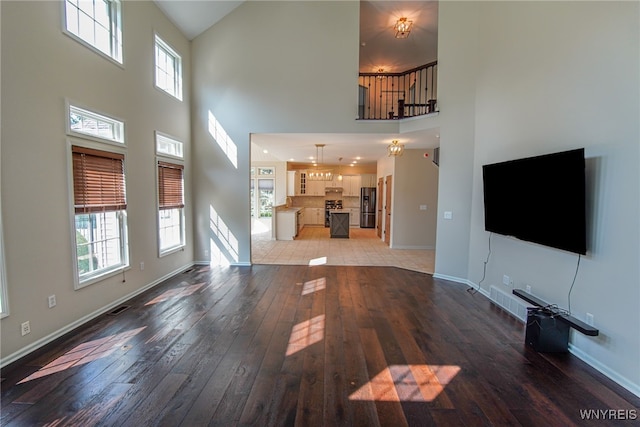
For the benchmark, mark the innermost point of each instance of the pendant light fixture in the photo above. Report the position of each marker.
(395, 149)
(403, 28)
(319, 173)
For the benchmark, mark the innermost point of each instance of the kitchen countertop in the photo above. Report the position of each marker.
(283, 208)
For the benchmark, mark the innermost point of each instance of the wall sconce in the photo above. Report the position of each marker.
(403, 28)
(395, 149)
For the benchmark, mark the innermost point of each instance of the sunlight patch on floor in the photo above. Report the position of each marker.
(314, 286)
(176, 293)
(305, 334)
(85, 353)
(318, 261)
(407, 383)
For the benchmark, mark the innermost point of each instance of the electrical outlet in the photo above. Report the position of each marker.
(52, 301)
(528, 289)
(589, 319)
(25, 328)
(506, 280)
(141, 265)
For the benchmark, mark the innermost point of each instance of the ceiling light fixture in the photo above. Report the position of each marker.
(395, 149)
(320, 174)
(403, 28)
(380, 76)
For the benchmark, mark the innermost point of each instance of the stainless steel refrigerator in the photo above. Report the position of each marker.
(367, 207)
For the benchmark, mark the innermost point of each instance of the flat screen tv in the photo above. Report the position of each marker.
(538, 199)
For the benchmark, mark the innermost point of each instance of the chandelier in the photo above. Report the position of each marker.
(403, 28)
(318, 173)
(395, 149)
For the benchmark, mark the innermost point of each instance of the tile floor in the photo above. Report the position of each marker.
(363, 247)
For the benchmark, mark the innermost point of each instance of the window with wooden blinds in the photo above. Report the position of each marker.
(170, 188)
(98, 181)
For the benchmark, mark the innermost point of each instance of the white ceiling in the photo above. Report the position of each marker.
(193, 17)
(378, 49)
(363, 148)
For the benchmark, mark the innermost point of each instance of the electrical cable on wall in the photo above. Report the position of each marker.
(573, 283)
(471, 290)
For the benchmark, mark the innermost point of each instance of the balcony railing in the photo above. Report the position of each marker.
(389, 96)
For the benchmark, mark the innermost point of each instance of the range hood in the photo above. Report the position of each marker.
(332, 190)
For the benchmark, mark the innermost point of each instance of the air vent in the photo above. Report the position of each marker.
(508, 302)
(118, 310)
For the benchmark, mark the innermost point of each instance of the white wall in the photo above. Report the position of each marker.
(266, 67)
(40, 68)
(457, 56)
(544, 77)
(415, 183)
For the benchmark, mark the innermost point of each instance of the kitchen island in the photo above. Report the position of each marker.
(339, 224)
(289, 222)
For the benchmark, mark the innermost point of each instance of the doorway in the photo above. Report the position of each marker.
(387, 213)
(262, 195)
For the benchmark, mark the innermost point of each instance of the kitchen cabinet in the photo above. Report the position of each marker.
(286, 223)
(313, 216)
(333, 183)
(291, 184)
(351, 185)
(315, 188)
(354, 217)
(301, 183)
(368, 180)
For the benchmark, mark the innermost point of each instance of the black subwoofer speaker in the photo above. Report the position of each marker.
(545, 332)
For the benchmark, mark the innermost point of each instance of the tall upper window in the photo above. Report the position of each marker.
(100, 212)
(171, 235)
(168, 69)
(98, 23)
(95, 125)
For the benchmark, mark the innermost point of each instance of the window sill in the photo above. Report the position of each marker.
(106, 275)
(170, 251)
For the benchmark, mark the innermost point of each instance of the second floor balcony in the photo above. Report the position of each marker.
(392, 96)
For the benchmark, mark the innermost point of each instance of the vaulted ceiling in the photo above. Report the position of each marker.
(378, 49)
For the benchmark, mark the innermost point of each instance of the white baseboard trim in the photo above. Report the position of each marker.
(73, 325)
(429, 248)
(605, 370)
(232, 264)
(463, 281)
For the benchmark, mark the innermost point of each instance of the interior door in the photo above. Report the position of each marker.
(379, 208)
(387, 216)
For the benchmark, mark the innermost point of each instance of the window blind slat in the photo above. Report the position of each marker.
(170, 186)
(98, 181)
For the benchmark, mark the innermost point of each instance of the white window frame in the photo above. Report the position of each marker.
(103, 144)
(174, 89)
(4, 294)
(105, 273)
(163, 156)
(174, 147)
(115, 51)
(256, 176)
(118, 125)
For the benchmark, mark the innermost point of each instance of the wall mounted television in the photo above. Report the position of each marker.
(538, 199)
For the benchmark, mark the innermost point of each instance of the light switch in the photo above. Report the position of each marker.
(448, 215)
(423, 207)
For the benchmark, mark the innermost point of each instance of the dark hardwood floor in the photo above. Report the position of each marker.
(309, 346)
